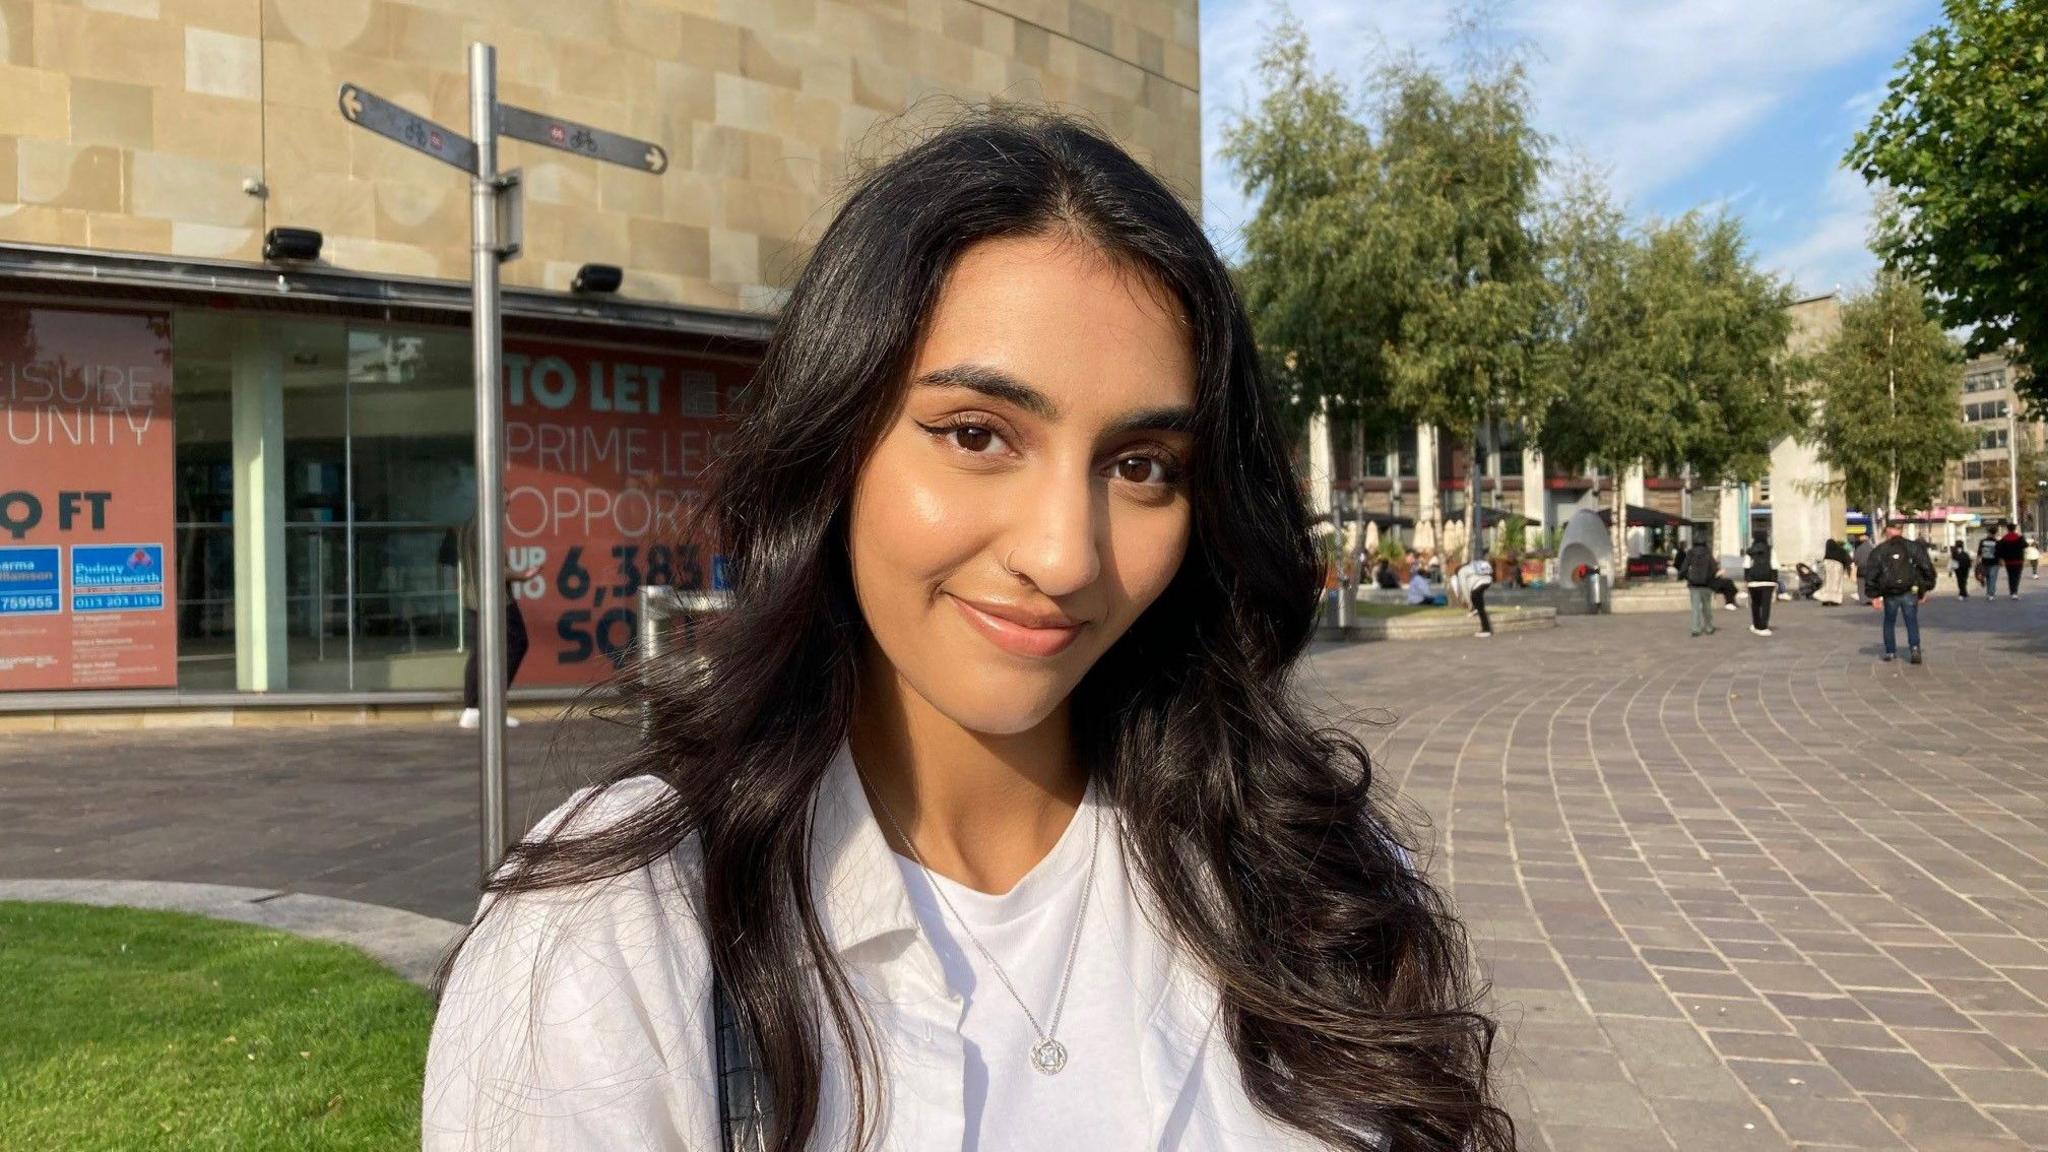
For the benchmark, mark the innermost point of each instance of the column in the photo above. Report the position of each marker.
(257, 383)
(1632, 492)
(1425, 474)
(1730, 522)
(1320, 461)
(1535, 487)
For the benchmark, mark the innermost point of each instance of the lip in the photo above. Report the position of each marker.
(1014, 636)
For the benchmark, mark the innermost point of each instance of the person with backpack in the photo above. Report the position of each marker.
(1762, 578)
(1897, 578)
(1959, 564)
(1987, 563)
(1472, 581)
(1699, 571)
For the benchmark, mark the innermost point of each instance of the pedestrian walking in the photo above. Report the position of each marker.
(936, 840)
(1898, 574)
(2012, 554)
(515, 626)
(1987, 563)
(1856, 560)
(1473, 581)
(1834, 572)
(1762, 578)
(1699, 572)
(1959, 564)
(2033, 559)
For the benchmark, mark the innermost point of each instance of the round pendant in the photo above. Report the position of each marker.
(1048, 1056)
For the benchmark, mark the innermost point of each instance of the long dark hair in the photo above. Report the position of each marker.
(1345, 983)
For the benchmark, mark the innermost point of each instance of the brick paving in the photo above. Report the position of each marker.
(1733, 892)
(1742, 892)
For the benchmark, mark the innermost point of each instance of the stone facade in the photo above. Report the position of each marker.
(133, 125)
(1995, 417)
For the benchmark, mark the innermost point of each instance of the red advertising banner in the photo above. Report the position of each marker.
(86, 542)
(606, 454)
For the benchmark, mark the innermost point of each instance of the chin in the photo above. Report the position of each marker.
(996, 702)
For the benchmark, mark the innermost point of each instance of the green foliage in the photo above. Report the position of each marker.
(1391, 548)
(1391, 267)
(1461, 169)
(159, 1030)
(1668, 344)
(1311, 287)
(1888, 384)
(1514, 535)
(1959, 142)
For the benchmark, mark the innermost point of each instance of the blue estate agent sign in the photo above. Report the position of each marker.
(117, 577)
(29, 584)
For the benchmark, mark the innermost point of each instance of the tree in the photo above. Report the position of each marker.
(1959, 140)
(1668, 346)
(1390, 269)
(1888, 382)
(1608, 412)
(1736, 396)
(1314, 290)
(1460, 174)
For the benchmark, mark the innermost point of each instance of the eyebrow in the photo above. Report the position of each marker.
(1000, 385)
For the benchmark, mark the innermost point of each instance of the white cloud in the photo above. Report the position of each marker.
(1652, 91)
(1835, 252)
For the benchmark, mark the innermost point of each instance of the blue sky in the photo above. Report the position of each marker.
(1747, 104)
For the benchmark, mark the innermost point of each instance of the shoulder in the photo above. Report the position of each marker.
(579, 1016)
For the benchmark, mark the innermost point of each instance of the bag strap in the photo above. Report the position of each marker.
(742, 1093)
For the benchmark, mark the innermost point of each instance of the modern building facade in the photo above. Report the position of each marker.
(223, 473)
(2001, 476)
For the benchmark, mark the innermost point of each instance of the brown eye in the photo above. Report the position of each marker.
(973, 437)
(1137, 469)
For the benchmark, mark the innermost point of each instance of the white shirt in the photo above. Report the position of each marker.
(580, 1019)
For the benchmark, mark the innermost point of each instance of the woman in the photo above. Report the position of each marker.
(1762, 578)
(1834, 572)
(986, 808)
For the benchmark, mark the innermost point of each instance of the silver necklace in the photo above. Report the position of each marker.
(1048, 1055)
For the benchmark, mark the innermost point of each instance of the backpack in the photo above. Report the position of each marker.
(1700, 568)
(1896, 572)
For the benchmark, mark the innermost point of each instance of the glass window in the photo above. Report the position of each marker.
(412, 472)
(205, 494)
(316, 508)
(379, 474)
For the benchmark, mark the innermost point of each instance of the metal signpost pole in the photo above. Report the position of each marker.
(490, 456)
(495, 221)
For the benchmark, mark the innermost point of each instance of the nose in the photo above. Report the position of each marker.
(1053, 540)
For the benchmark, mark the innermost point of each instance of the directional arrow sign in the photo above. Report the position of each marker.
(582, 139)
(368, 110)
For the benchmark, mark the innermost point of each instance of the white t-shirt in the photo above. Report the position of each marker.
(579, 1019)
(1028, 930)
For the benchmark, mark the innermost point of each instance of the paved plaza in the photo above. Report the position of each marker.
(1733, 892)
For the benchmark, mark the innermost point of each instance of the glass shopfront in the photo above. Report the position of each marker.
(321, 471)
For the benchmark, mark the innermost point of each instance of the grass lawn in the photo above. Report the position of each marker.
(123, 1029)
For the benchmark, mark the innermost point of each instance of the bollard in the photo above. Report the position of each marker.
(660, 608)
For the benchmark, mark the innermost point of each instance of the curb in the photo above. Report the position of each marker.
(408, 943)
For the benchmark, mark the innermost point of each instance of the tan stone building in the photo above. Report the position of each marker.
(300, 432)
(2002, 442)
